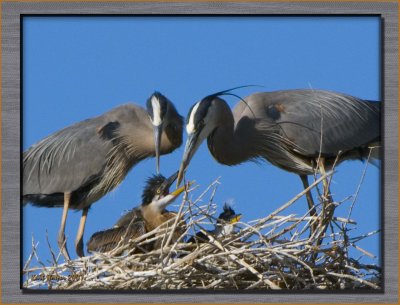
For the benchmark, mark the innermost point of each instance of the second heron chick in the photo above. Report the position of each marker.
(225, 225)
(142, 219)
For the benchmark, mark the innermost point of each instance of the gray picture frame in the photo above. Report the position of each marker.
(11, 120)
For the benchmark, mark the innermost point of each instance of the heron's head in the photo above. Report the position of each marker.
(164, 116)
(201, 121)
(228, 216)
(157, 194)
(226, 221)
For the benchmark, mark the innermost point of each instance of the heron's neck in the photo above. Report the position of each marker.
(221, 230)
(226, 143)
(153, 217)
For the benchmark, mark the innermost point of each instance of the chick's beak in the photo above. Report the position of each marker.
(169, 198)
(236, 218)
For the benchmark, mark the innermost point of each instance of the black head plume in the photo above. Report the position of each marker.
(228, 92)
(201, 110)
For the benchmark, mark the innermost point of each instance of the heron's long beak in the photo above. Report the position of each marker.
(192, 144)
(157, 143)
(168, 182)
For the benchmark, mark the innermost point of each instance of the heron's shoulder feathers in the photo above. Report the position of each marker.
(126, 113)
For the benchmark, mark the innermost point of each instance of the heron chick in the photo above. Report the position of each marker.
(78, 165)
(142, 219)
(225, 225)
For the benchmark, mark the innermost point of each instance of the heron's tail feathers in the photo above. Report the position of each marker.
(41, 200)
(376, 105)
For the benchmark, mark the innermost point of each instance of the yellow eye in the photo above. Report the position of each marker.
(158, 191)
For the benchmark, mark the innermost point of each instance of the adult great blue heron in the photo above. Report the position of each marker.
(79, 164)
(291, 129)
(145, 218)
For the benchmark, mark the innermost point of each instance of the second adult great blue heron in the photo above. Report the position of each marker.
(76, 166)
(291, 129)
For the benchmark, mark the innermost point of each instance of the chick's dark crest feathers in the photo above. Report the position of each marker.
(152, 185)
(227, 213)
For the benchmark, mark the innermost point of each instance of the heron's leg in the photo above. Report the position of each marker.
(79, 235)
(310, 201)
(61, 233)
(327, 192)
(328, 207)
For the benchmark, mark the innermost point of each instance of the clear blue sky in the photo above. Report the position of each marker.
(76, 68)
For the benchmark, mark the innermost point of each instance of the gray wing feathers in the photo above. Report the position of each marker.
(76, 155)
(307, 117)
(65, 160)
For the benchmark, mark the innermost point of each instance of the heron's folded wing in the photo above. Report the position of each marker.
(66, 160)
(107, 240)
(322, 121)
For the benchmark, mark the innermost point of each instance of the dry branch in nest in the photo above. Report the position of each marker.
(278, 251)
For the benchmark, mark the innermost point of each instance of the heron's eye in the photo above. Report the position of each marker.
(158, 191)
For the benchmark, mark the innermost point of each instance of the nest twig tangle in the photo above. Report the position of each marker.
(278, 251)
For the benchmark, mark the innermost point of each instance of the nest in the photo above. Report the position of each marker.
(279, 251)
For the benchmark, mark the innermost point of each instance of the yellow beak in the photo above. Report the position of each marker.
(181, 189)
(236, 219)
